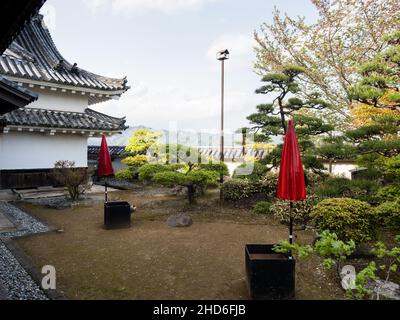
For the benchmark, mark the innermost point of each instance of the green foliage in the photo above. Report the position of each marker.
(141, 141)
(125, 174)
(193, 177)
(300, 213)
(217, 167)
(262, 207)
(177, 153)
(136, 161)
(361, 291)
(238, 189)
(193, 180)
(388, 193)
(271, 118)
(328, 246)
(333, 250)
(380, 75)
(392, 167)
(337, 187)
(389, 212)
(336, 148)
(388, 260)
(169, 178)
(350, 219)
(147, 172)
(259, 171)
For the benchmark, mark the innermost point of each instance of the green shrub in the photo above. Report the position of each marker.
(269, 183)
(125, 174)
(350, 219)
(238, 189)
(338, 187)
(259, 170)
(168, 178)
(389, 213)
(217, 167)
(192, 180)
(147, 172)
(136, 161)
(262, 207)
(388, 193)
(300, 213)
(333, 187)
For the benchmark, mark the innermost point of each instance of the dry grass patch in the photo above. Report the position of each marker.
(154, 261)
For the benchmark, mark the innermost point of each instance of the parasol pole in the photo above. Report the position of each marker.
(290, 223)
(105, 191)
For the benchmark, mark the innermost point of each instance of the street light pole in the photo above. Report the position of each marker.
(222, 56)
(222, 117)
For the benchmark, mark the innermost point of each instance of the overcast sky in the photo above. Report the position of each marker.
(167, 50)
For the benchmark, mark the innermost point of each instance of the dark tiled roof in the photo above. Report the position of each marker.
(13, 15)
(33, 55)
(230, 153)
(43, 118)
(13, 96)
(115, 151)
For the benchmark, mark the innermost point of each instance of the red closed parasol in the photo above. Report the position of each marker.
(291, 182)
(105, 167)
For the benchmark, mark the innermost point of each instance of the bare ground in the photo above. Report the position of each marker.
(154, 261)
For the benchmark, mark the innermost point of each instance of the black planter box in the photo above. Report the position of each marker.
(270, 275)
(117, 214)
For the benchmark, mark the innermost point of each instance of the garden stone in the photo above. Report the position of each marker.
(347, 270)
(387, 289)
(348, 276)
(179, 220)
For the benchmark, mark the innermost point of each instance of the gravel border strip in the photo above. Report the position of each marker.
(16, 280)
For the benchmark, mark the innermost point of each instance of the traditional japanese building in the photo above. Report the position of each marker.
(57, 125)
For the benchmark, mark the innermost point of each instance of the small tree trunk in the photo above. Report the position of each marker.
(191, 193)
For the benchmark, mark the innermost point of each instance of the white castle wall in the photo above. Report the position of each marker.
(23, 150)
(58, 100)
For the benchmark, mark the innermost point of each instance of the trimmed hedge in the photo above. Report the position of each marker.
(148, 171)
(238, 189)
(125, 174)
(389, 213)
(262, 207)
(350, 219)
(301, 210)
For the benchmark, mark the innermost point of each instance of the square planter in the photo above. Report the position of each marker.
(117, 214)
(270, 275)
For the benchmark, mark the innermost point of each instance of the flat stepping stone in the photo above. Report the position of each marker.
(5, 224)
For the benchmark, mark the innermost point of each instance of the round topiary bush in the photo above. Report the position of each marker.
(350, 219)
(125, 175)
(300, 213)
(389, 213)
(262, 207)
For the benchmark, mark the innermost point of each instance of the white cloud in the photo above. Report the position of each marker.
(95, 5)
(142, 6)
(158, 108)
(239, 45)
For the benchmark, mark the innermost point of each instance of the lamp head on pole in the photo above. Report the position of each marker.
(223, 55)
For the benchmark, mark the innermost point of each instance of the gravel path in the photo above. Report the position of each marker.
(15, 282)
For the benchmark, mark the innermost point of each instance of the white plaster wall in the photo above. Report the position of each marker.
(57, 100)
(341, 169)
(22, 150)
